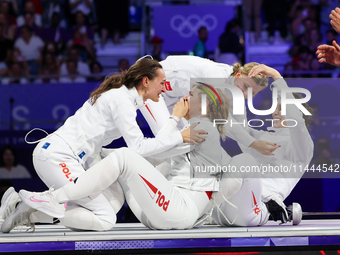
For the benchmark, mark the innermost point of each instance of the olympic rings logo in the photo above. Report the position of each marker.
(187, 27)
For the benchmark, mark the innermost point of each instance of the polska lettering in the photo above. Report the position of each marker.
(161, 201)
(66, 171)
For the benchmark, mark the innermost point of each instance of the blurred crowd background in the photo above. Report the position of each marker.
(68, 46)
(49, 41)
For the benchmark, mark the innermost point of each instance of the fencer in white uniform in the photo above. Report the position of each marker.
(175, 203)
(180, 69)
(295, 153)
(62, 156)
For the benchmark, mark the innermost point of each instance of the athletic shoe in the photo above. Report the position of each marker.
(9, 201)
(43, 202)
(19, 217)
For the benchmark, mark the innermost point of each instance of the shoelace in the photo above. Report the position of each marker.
(19, 224)
(48, 192)
(31, 228)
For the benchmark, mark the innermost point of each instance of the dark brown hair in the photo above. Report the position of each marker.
(12, 150)
(131, 78)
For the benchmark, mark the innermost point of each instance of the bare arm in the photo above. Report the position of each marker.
(335, 19)
(329, 54)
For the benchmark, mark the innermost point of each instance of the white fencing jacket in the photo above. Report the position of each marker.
(179, 70)
(296, 150)
(112, 116)
(192, 167)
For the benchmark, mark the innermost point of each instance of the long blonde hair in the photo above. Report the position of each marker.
(260, 79)
(218, 110)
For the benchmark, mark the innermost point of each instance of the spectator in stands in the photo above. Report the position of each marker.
(96, 69)
(157, 52)
(315, 39)
(302, 59)
(123, 65)
(83, 44)
(83, 6)
(15, 74)
(113, 18)
(50, 47)
(323, 154)
(82, 38)
(299, 14)
(229, 50)
(6, 47)
(303, 39)
(30, 47)
(326, 6)
(276, 16)
(29, 7)
(37, 5)
(81, 26)
(288, 68)
(16, 57)
(82, 68)
(29, 21)
(71, 66)
(306, 36)
(9, 167)
(200, 50)
(253, 11)
(9, 29)
(315, 66)
(316, 120)
(49, 62)
(3, 68)
(309, 24)
(45, 77)
(55, 33)
(54, 6)
(7, 9)
(331, 36)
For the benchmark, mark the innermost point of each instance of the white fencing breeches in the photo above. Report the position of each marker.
(163, 205)
(56, 165)
(243, 192)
